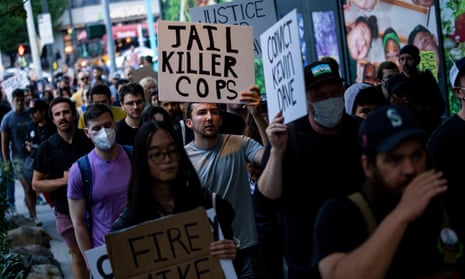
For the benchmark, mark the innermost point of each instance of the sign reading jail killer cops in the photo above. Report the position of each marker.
(173, 247)
(283, 69)
(204, 62)
(257, 13)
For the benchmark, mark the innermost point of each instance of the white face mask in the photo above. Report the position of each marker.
(329, 112)
(105, 138)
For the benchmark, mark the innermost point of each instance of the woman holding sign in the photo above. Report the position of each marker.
(164, 182)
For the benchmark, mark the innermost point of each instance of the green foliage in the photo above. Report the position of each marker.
(13, 29)
(11, 265)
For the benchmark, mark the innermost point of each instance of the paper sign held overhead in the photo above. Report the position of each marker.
(204, 62)
(283, 69)
(257, 13)
(45, 29)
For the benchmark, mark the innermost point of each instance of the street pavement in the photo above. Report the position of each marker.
(46, 215)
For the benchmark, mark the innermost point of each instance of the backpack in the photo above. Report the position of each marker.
(86, 176)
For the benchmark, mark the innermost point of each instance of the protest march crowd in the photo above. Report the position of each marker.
(366, 184)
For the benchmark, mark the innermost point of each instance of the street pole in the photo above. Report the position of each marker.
(109, 31)
(48, 48)
(31, 31)
(73, 34)
(150, 24)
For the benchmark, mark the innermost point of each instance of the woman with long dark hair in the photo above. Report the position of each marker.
(165, 182)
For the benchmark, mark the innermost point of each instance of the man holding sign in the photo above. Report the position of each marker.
(220, 161)
(320, 152)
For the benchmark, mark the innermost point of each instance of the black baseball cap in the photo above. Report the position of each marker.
(318, 72)
(387, 127)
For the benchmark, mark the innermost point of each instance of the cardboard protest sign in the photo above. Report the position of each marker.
(173, 247)
(204, 62)
(257, 13)
(100, 266)
(282, 65)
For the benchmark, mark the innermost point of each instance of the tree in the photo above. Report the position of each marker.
(13, 30)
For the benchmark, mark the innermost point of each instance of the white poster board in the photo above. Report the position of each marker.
(18, 80)
(260, 14)
(204, 62)
(283, 69)
(45, 29)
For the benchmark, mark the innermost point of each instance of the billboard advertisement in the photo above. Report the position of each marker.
(377, 30)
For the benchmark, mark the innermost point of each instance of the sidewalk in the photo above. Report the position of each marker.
(47, 217)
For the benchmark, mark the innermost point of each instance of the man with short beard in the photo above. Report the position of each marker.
(395, 226)
(51, 164)
(132, 102)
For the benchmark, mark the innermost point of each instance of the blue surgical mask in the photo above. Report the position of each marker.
(105, 138)
(329, 112)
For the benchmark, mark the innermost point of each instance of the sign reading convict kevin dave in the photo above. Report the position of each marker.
(283, 69)
(169, 248)
(202, 62)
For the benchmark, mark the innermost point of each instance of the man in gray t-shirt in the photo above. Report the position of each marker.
(221, 162)
(14, 128)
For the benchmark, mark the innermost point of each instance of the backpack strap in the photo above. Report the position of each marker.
(128, 149)
(86, 176)
(362, 205)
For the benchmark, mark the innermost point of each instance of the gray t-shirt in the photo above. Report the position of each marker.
(17, 125)
(223, 170)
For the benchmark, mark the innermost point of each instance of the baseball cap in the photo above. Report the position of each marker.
(387, 127)
(455, 70)
(318, 72)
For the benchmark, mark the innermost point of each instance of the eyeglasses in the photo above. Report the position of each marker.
(159, 157)
(84, 78)
(459, 88)
(132, 103)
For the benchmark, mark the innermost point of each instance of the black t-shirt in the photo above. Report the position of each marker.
(446, 148)
(125, 134)
(340, 227)
(54, 156)
(316, 167)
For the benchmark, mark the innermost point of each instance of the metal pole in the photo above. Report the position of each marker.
(150, 24)
(110, 41)
(73, 34)
(48, 48)
(31, 31)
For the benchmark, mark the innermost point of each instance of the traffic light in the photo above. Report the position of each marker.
(21, 50)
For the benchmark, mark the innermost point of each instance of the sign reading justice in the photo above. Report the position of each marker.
(204, 62)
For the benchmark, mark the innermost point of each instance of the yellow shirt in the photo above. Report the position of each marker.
(118, 114)
(77, 98)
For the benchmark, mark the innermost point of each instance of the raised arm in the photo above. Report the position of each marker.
(366, 261)
(270, 181)
(253, 99)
